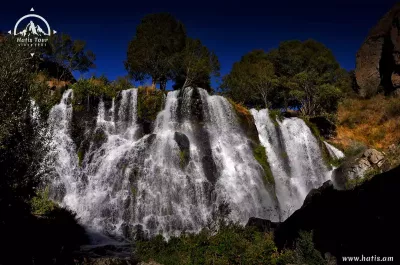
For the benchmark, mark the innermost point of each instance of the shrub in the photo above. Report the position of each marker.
(276, 115)
(305, 250)
(41, 204)
(150, 103)
(232, 244)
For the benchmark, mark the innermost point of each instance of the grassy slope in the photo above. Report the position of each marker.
(373, 122)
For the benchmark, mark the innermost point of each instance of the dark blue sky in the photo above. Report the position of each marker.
(229, 28)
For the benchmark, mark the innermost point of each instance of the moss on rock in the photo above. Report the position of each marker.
(260, 155)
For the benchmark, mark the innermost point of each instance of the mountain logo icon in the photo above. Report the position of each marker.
(31, 29)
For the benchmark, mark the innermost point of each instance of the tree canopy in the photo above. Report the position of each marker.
(301, 75)
(196, 65)
(154, 50)
(252, 79)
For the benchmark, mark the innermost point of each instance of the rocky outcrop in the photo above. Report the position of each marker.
(326, 128)
(378, 60)
(356, 168)
(363, 221)
(262, 225)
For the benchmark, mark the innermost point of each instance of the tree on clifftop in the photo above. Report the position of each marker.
(196, 65)
(154, 50)
(310, 75)
(252, 79)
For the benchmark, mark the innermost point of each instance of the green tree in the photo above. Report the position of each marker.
(69, 55)
(252, 79)
(154, 50)
(121, 83)
(310, 76)
(22, 138)
(196, 65)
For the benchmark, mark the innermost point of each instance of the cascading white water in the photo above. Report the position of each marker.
(126, 178)
(63, 151)
(176, 178)
(294, 157)
(241, 177)
(333, 151)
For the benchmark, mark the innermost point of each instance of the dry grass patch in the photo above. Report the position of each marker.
(374, 122)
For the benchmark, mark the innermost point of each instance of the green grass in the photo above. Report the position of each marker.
(261, 156)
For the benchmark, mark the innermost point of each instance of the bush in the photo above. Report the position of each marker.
(44, 97)
(41, 203)
(92, 88)
(232, 244)
(275, 115)
(150, 103)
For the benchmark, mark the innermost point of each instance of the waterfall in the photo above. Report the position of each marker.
(333, 151)
(172, 180)
(294, 156)
(195, 165)
(240, 176)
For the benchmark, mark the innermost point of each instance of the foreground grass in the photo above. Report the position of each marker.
(232, 244)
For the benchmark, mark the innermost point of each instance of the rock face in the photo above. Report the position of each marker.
(262, 225)
(326, 128)
(357, 168)
(355, 222)
(378, 60)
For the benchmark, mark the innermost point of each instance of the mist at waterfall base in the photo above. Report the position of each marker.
(176, 178)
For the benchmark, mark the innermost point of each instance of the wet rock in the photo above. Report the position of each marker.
(183, 141)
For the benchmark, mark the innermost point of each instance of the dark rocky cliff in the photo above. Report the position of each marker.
(378, 59)
(362, 221)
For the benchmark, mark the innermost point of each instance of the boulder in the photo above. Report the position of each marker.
(374, 157)
(184, 148)
(358, 167)
(378, 59)
(262, 225)
(183, 141)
